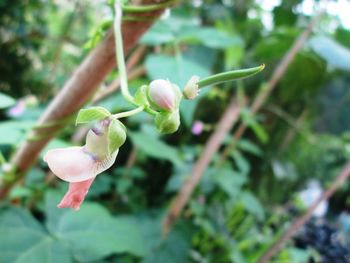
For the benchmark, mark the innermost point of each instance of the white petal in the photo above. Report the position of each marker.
(74, 164)
(71, 164)
(104, 164)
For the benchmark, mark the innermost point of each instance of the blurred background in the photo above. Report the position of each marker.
(293, 147)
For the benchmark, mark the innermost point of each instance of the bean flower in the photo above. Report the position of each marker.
(79, 166)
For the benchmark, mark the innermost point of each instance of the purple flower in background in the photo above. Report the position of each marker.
(197, 127)
(18, 109)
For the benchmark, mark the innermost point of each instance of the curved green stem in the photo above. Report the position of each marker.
(229, 76)
(128, 113)
(120, 53)
(147, 8)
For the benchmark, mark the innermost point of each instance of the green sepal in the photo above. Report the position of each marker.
(167, 122)
(141, 96)
(92, 114)
(116, 136)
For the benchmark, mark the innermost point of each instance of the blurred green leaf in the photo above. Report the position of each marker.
(252, 205)
(23, 240)
(155, 147)
(14, 131)
(334, 53)
(174, 248)
(6, 101)
(158, 34)
(249, 146)
(230, 181)
(177, 70)
(92, 232)
(111, 234)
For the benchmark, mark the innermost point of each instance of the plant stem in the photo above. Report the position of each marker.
(230, 75)
(120, 53)
(128, 113)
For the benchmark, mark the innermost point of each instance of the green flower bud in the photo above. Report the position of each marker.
(168, 122)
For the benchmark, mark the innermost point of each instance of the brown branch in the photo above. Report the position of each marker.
(290, 134)
(264, 93)
(225, 124)
(76, 92)
(299, 222)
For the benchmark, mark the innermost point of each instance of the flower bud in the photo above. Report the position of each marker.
(167, 122)
(163, 95)
(191, 89)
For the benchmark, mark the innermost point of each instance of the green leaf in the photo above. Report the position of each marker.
(154, 147)
(158, 34)
(15, 131)
(116, 135)
(92, 114)
(178, 71)
(23, 240)
(6, 101)
(241, 162)
(252, 205)
(334, 53)
(209, 37)
(248, 146)
(174, 248)
(229, 181)
(92, 232)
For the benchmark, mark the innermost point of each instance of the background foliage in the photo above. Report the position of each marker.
(239, 208)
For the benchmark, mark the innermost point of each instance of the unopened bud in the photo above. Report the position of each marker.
(191, 89)
(163, 95)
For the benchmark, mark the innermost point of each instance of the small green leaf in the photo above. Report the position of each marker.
(92, 114)
(6, 101)
(116, 135)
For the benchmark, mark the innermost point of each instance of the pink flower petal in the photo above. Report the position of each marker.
(76, 194)
(197, 127)
(70, 164)
(74, 164)
(162, 94)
